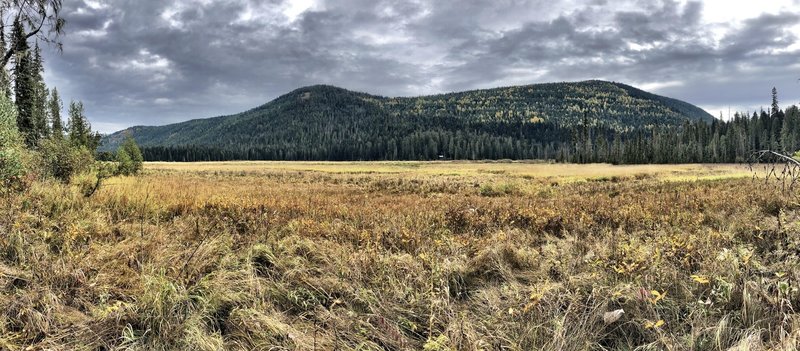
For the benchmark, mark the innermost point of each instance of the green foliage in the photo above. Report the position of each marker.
(129, 157)
(598, 122)
(24, 84)
(25, 121)
(329, 123)
(61, 159)
(124, 162)
(54, 105)
(40, 95)
(730, 141)
(58, 157)
(79, 130)
(498, 189)
(11, 150)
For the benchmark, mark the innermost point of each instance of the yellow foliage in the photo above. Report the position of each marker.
(653, 325)
(657, 296)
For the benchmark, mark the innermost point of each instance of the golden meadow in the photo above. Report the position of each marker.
(402, 256)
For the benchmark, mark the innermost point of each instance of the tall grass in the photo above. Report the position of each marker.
(294, 260)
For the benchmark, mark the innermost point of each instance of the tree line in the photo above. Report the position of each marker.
(422, 138)
(34, 140)
(39, 108)
(721, 141)
(419, 145)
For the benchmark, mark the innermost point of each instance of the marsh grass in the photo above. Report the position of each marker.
(278, 258)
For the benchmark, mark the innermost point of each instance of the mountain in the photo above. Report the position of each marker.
(328, 123)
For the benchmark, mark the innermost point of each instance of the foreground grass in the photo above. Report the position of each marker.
(434, 256)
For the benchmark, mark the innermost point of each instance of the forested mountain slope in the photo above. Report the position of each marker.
(328, 123)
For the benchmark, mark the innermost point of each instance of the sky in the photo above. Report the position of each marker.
(155, 62)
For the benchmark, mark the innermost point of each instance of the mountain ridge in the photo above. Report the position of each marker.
(330, 114)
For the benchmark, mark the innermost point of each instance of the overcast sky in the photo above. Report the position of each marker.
(153, 62)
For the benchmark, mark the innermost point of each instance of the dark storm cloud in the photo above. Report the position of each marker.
(155, 62)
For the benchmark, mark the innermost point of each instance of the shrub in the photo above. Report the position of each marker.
(129, 157)
(124, 162)
(497, 189)
(61, 160)
(11, 151)
(87, 182)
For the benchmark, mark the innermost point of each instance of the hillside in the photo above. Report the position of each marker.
(328, 123)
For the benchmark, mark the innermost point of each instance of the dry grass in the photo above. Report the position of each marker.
(403, 256)
(465, 168)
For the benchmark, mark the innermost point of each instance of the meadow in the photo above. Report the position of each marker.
(402, 256)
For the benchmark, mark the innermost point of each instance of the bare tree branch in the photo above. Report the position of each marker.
(36, 15)
(788, 176)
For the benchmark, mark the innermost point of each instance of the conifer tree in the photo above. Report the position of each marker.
(775, 107)
(54, 113)
(23, 85)
(78, 127)
(39, 113)
(79, 130)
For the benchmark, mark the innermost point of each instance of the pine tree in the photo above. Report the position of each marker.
(775, 107)
(54, 112)
(39, 114)
(23, 85)
(78, 128)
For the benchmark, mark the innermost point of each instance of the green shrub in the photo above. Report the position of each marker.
(105, 169)
(61, 159)
(12, 166)
(498, 189)
(129, 157)
(124, 162)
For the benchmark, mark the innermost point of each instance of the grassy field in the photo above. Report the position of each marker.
(518, 169)
(403, 256)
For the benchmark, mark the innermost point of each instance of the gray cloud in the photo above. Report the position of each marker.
(155, 62)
